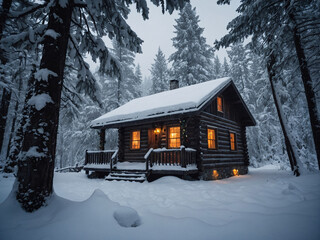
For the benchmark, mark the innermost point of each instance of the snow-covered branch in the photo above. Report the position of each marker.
(27, 11)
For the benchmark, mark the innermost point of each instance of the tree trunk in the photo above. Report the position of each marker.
(5, 103)
(15, 116)
(6, 5)
(309, 92)
(290, 152)
(37, 156)
(6, 96)
(61, 149)
(15, 147)
(307, 83)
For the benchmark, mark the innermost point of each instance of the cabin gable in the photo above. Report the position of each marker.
(229, 125)
(234, 108)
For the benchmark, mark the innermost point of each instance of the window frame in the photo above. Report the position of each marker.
(222, 108)
(215, 135)
(131, 140)
(235, 140)
(168, 136)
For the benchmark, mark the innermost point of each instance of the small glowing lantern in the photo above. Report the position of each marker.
(157, 130)
(215, 174)
(235, 172)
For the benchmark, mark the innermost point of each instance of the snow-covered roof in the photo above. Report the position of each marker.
(177, 101)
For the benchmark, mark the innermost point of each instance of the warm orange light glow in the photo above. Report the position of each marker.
(135, 140)
(215, 174)
(232, 141)
(174, 137)
(212, 144)
(157, 130)
(219, 104)
(235, 172)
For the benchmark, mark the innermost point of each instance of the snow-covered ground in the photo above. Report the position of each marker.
(265, 204)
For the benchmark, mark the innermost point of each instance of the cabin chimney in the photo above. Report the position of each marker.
(174, 84)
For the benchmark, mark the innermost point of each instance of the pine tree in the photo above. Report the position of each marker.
(239, 65)
(15, 62)
(216, 68)
(293, 157)
(159, 73)
(225, 68)
(146, 86)
(138, 82)
(265, 142)
(6, 94)
(127, 85)
(191, 63)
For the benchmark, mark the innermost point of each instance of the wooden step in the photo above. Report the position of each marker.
(131, 176)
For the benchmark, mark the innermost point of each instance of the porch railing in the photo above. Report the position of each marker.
(101, 157)
(176, 157)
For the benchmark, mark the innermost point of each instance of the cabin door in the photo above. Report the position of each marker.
(154, 138)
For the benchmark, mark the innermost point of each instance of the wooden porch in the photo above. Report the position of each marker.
(180, 161)
(100, 160)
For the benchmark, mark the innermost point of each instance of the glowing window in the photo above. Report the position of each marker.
(219, 104)
(212, 140)
(135, 140)
(174, 137)
(232, 141)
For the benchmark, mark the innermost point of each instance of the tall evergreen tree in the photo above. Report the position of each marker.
(6, 94)
(216, 68)
(239, 65)
(138, 81)
(16, 60)
(127, 86)
(225, 68)
(265, 142)
(159, 73)
(191, 63)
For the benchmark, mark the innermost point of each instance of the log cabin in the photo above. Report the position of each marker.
(197, 131)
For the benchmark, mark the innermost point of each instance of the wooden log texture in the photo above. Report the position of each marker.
(99, 157)
(223, 156)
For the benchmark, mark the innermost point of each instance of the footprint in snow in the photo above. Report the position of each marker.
(127, 217)
(293, 193)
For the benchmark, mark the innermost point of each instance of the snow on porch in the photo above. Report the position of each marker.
(142, 166)
(181, 100)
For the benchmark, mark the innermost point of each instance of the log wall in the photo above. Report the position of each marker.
(134, 155)
(189, 138)
(222, 159)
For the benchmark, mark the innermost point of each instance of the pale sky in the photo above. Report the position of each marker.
(158, 30)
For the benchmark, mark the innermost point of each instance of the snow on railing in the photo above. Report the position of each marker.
(100, 151)
(176, 157)
(113, 160)
(114, 154)
(100, 156)
(146, 156)
(76, 168)
(173, 149)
